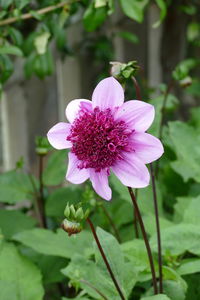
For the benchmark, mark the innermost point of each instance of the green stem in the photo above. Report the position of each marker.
(139, 217)
(40, 198)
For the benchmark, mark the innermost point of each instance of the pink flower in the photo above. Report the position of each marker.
(107, 134)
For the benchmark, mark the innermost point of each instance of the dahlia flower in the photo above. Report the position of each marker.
(106, 135)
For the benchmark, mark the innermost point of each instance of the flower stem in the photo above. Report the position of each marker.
(139, 217)
(111, 223)
(135, 218)
(105, 259)
(157, 228)
(40, 198)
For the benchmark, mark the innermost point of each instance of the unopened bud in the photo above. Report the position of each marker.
(71, 227)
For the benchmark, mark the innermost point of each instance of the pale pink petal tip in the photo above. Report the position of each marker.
(74, 107)
(131, 171)
(138, 115)
(100, 184)
(74, 174)
(108, 94)
(147, 147)
(57, 136)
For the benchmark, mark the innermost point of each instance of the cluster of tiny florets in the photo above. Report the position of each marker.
(97, 139)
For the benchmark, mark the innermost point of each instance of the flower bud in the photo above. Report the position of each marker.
(74, 217)
(42, 145)
(71, 227)
(123, 71)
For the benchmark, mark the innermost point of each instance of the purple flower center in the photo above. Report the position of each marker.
(97, 139)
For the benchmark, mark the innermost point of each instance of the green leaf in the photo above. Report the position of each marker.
(13, 221)
(156, 297)
(94, 274)
(129, 36)
(57, 201)
(94, 17)
(163, 8)
(55, 171)
(36, 15)
(192, 212)
(76, 298)
(116, 260)
(188, 154)
(41, 42)
(150, 224)
(174, 290)
(8, 290)
(15, 187)
(50, 266)
(134, 9)
(20, 4)
(21, 274)
(189, 266)
(58, 244)
(16, 36)
(7, 66)
(135, 252)
(5, 3)
(43, 64)
(179, 239)
(12, 50)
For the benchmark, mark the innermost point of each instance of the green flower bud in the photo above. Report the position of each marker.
(67, 211)
(79, 214)
(42, 145)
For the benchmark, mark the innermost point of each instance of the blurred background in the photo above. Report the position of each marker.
(54, 51)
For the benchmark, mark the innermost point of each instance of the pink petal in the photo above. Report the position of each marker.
(138, 115)
(108, 94)
(74, 174)
(74, 107)
(131, 171)
(147, 147)
(100, 183)
(57, 136)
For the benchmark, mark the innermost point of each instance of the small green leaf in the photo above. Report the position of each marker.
(36, 15)
(163, 8)
(5, 3)
(7, 66)
(94, 17)
(129, 36)
(12, 50)
(189, 266)
(41, 42)
(134, 9)
(20, 4)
